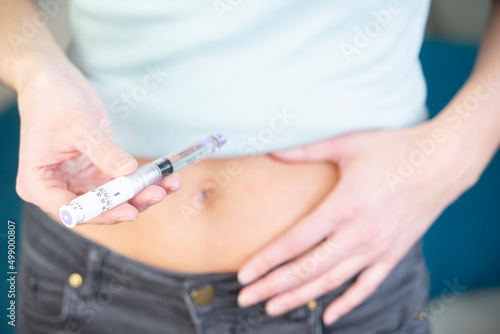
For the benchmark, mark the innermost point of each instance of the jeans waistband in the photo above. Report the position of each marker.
(89, 259)
(210, 300)
(49, 246)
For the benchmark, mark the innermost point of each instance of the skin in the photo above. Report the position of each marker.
(367, 223)
(205, 228)
(52, 167)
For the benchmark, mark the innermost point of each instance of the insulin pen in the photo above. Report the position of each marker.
(121, 189)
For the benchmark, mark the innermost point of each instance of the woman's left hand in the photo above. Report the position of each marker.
(393, 185)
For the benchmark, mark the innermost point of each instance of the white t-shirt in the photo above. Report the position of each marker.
(267, 74)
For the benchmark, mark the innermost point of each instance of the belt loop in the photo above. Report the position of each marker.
(316, 316)
(195, 317)
(95, 258)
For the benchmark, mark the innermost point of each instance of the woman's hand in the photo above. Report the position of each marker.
(66, 145)
(393, 185)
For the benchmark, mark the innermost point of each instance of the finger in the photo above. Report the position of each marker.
(171, 183)
(327, 150)
(299, 238)
(307, 267)
(315, 288)
(365, 285)
(155, 194)
(122, 213)
(102, 150)
(55, 196)
(148, 197)
(52, 199)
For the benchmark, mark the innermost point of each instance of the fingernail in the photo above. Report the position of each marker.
(144, 208)
(123, 163)
(153, 201)
(175, 188)
(330, 319)
(126, 219)
(247, 299)
(247, 275)
(179, 183)
(274, 308)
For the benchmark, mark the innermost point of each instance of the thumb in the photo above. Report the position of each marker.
(334, 150)
(110, 158)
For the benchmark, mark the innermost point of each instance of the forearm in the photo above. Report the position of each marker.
(472, 119)
(25, 52)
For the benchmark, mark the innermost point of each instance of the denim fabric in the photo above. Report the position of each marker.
(120, 295)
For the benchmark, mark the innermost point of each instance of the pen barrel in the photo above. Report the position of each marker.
(120, 190)
(109, 195)
(97, 201)
(144, 176)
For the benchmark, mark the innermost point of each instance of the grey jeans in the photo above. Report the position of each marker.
(69, 284)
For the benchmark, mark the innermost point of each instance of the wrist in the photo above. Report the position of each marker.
(37, 66)
(458, 154)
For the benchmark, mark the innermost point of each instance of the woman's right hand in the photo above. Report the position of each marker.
(67, 148)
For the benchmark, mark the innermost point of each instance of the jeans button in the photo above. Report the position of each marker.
(204, 295)
(75, 280)
(312, 305)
